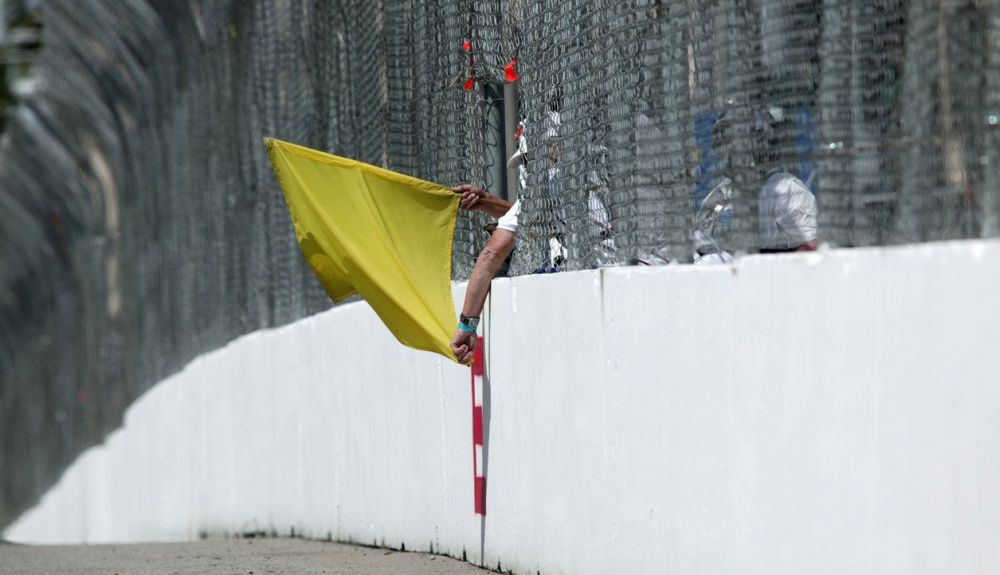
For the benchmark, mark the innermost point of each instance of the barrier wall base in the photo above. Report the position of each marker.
(825, 413)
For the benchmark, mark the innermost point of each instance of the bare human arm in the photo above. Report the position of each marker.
(501, 244)
(479, 200)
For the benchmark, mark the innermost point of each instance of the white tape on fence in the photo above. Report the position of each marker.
(830, 413)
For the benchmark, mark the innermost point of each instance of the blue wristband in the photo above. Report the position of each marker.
(467, 328)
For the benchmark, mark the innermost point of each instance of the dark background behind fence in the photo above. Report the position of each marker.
(140, 224)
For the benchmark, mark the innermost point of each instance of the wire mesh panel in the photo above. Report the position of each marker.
(140, 224)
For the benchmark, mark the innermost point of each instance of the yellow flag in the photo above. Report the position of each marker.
(377, 233)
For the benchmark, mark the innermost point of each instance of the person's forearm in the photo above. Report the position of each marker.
(479, 284)
(486, 268)
(494, 206)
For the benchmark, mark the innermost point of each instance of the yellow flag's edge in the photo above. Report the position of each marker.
(269, 146)
(339, 161)
(270, 143)
(451, 259)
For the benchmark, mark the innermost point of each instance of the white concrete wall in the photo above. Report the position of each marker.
(827, 413)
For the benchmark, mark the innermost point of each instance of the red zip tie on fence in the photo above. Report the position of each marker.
(469, 83)
(509, 73)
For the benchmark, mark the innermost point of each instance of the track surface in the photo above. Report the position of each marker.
(227, 557)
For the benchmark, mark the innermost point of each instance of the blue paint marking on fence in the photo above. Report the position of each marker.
(806, 132)
(708, 163)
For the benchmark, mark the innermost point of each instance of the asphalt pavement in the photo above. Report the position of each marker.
(224, 557)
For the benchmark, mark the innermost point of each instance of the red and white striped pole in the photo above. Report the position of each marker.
(477, 430)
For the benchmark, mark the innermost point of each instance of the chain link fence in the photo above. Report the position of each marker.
(140, 224)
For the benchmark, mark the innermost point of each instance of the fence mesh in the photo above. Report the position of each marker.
(140, 224)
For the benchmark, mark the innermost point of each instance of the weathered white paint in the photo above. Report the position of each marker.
(823, 413)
